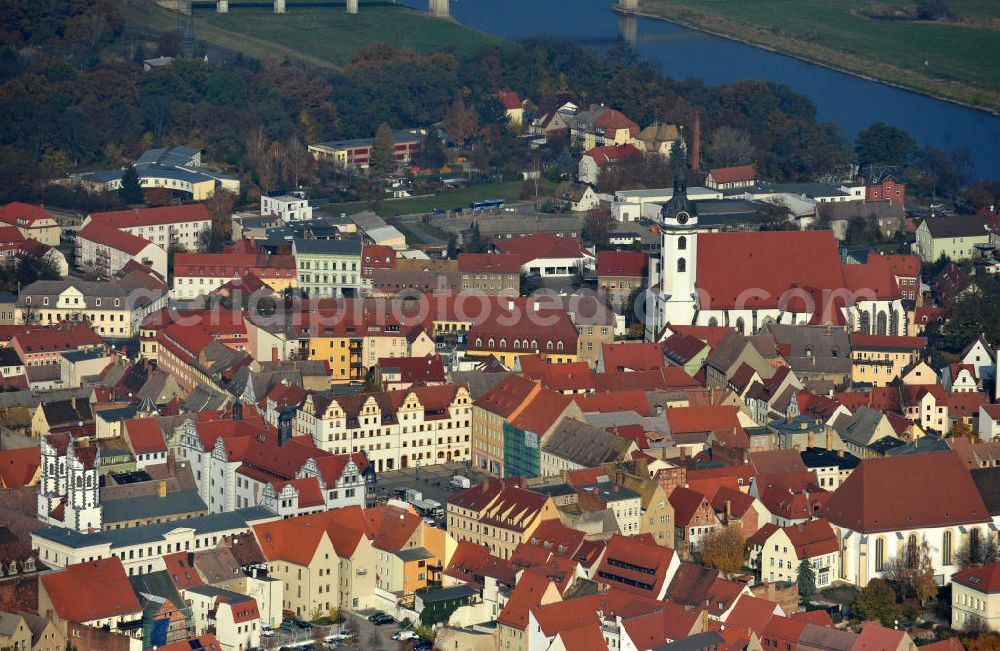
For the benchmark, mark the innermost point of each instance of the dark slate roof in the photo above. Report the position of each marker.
(823, 458)
(987, 481)
(886, 444)
(328, 247)
(214, 522)
(699, 642)
(153, 506)
(584, 444)
(957, 226)
(463, 591)
(9, 357)
(928, 443)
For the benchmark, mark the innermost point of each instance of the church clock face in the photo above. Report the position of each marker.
(682, 217)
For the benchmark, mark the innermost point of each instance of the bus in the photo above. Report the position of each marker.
(488, 204)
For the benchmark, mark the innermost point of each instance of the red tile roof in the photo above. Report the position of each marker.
(871, 278)
(180, 568)
(901, 265)
(526, 595)
(613, 402)
(735, 174)
(509, 99)
(771, 262)
(966, 404)
(153, 216)
(575, 376)
(18, 466)
(503, 263)
(415, 369)
(145, 435)
(65, 337)
(711, 335)
(885, 342)
(206, 642)
(611, 120)
(472, 563)
(637, 356)
(542, 245)
(622, 263)
(89, 591)
(13, 213)
(99, 233)
(777, 462)
(869, 500)
(683, 420)
(624, 556)
(611, 154)
(686, 503)
(984, 579)
(753, 613)
(812, 538)
(874, 636)
(391, 527)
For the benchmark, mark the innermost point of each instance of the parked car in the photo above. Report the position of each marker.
(423, 645)
(405, 635)
(461, 482)
(380, 619)
(339, 637)
(289, 626)
(266, 630)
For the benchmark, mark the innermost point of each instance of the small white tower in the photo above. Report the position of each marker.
(83, 497)
(678, 256)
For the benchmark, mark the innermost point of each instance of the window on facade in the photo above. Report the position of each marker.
(879, 554)
(681, 265)
(946, 546)
(682, 243)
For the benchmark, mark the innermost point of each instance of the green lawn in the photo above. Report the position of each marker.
(328, 34)
(324, 36)
(957, 59)
(446, 200)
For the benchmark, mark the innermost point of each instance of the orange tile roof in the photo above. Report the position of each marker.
(526, 595)
(181, 570)
(94, 590)
(613, 402)
(623, 557)
(683, 420)
(813, 538)
(737, 173)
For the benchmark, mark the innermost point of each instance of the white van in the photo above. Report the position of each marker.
(458, 481)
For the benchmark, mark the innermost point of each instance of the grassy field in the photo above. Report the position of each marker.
(447, 200)
(324, 35)
(954, 59)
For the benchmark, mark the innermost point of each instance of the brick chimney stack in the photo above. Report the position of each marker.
(696, 143)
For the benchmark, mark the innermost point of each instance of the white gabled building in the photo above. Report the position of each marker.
(186, 225)
(69, 487)
(239, 464)
(104, 250)
(892, 506)
(396, 429)
(289, 208)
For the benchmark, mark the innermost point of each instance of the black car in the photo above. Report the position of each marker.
(423, 645)
(382, 618)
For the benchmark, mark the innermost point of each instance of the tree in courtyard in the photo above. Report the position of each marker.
(922, 574)
(431, 153)
(476, 243)
(962, 430)
(976, 551)
(806, 580)
(597, 229)
(27, 269)
(729, 146)
(877, 601)
(131, 192)
(383, 158)
(452, 247)
(723, 549)
(459, 122)
(220, 206)
(885, 144)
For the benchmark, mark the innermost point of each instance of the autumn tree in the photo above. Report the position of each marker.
(131, 192)
(597, 229)
(220, 207)
(431, 152)
(877, 602)
(729, 146)
(976, 551)
(806, 580)
(962, 430)
(459, 122)
(383, 156)
(723, 549)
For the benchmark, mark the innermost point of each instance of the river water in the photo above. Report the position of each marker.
(683, 53)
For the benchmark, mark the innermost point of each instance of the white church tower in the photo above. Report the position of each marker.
(676, 302)
(70, 474)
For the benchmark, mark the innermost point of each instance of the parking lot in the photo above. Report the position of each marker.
(432, 481)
